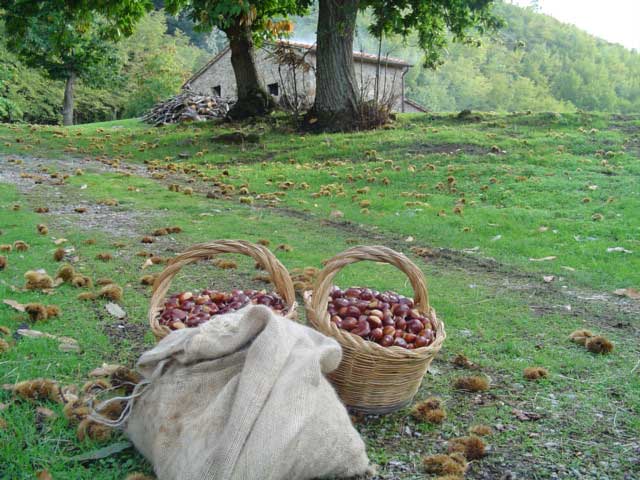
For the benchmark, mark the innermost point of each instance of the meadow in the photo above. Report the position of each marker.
(524, 225)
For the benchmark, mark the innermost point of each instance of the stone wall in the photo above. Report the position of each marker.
(220, 74)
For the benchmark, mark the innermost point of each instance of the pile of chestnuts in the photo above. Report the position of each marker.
(188, 310)
(385, 318)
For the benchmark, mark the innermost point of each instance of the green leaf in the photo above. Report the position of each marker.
(102, 452)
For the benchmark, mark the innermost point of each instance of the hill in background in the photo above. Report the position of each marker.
(534, 63)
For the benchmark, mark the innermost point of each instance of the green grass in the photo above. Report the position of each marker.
(590, 405)
(544, 179)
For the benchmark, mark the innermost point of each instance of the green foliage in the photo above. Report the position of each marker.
(226, 14)
(26, 94)
(59, 41)
(152, 66)
(434, 22)
(534, 63)
(156, 64)
(502, 315)
(119, 16)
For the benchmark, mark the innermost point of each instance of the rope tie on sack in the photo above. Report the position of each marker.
(138, 390)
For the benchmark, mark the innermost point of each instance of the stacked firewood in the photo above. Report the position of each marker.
(185, 107)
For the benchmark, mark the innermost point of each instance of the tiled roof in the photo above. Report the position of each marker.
(364, 57)
(367, 57)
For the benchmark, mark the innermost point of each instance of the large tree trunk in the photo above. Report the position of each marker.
(337, 97)
(67, 108)
(253, 99)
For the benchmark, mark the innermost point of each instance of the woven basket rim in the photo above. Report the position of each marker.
(317, 300)
(280, 278)
(348, 339)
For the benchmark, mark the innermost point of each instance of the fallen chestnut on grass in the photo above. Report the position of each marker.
(190, 310)
(386, 318)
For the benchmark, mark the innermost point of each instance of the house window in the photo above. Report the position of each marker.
(217, 91)
(273, 89)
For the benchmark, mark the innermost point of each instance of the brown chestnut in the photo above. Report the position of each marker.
(386, 341)
(349, 323)
(421, 342)
(400, 342)
(376, 334)
(374, 321)
(410, 337)
(415, 326)
(362, 329)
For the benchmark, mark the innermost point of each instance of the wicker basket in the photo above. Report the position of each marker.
(202, 251)
(372, 378)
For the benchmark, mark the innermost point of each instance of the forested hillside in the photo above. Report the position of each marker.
(152, 65)
(534, 63)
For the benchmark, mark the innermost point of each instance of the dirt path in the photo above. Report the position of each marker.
(601, 308)
(118, 222)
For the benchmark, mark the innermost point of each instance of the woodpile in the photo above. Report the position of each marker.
(187, 107)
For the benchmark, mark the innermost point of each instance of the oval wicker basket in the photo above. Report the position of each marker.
(372, 378)
(202, 251)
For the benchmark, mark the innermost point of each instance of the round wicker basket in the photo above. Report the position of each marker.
(372, 378)
(203, 251)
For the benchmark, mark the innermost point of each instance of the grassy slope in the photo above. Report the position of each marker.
(542, 180)
(492, 325)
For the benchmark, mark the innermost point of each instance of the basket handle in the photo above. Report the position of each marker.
(375, 253)
(277, 272)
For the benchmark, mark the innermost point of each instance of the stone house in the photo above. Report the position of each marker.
(285, 82)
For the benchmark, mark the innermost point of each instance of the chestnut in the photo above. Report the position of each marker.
(383, 317)
(410, 337)
(400, 342)
(366, 294)
(401, 323)
(389, 330)
(349, 323)
(386, 341)
(374, 321)
(421, 342)
(184, 296)
(388, 320)
(376, 334)
(362, 329)
(341, 302)
(415, 326)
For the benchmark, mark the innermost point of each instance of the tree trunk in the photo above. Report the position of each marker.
(67, 108)
(253, 99)
(337, 98)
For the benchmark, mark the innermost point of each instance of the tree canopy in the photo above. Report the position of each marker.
(434, 22)
(534, 62)
(120, 16)
(258, 15)
(338, 105)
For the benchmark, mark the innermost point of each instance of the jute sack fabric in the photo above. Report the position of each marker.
(244, 396)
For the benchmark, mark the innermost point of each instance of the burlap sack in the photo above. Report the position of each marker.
(244, 397)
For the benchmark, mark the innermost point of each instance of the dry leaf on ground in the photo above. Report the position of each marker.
(543, 259)
(628, 292)
(526, 416)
